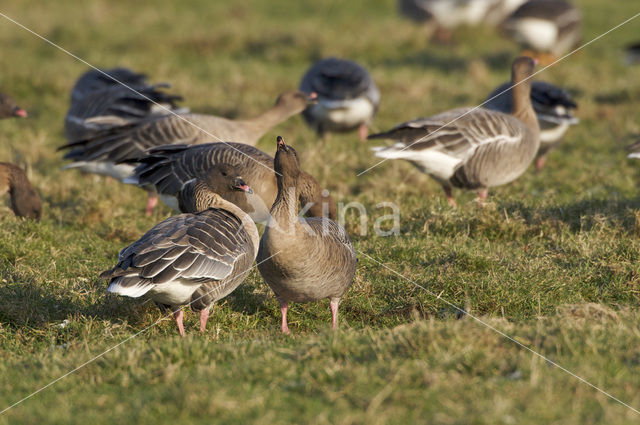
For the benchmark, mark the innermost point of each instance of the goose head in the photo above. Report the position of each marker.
(295, 101)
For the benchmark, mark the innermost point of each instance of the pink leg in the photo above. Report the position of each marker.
(482, 194)
(178, 315)
(363, 131)
(152, 201)
(449, 196)
(204, 315)
(540, 163)
(333, 304)
(283, 311)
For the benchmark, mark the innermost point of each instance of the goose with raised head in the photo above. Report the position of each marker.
(546, 26)
(25, 201)
(347, 97)
(554, 108)
(472, 148)
(167, 168)
(9, 108)
(302, 259)
(104, 99)
(193, 258)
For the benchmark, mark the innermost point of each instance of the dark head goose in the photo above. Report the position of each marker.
(193, 258)
(9, 108)
(302, 260)
(472, 148)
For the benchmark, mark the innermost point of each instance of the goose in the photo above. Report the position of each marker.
(196, 258)
(302, 259)
(554, 108)
(25, 201)
(447, 15)
(471, 148)
(546, 26)
(634, 150)
(347, 97)
(100, 102)
(167, 168)
(9, 108)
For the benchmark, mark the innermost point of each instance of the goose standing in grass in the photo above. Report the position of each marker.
(546, 26)
(554, 108)
(167, 168)
(195, 258)
(303, 260)
(25, 201)
(9, 108)
(100, 102)
(347, 97)
(472, 148)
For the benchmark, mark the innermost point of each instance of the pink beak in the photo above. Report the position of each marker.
(20, 113)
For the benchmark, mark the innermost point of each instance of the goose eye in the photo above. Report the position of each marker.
(224, 173)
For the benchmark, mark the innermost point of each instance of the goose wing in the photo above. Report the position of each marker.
(196, 247)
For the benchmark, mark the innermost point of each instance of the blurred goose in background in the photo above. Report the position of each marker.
(25, 201)
(554, 108)
(100, 102)
(9, 108)
(347, 97)
(632, 53)
(167, 168)
(472, 148)
(303, 260)
(443, 16)
(546, 26)
(634, 150)
(194, 258)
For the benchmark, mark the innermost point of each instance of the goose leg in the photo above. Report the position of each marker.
(449, 195)
(333, 304)
(152, 201)
(363, 131)
(540, 161)
(283, 312)
(482, 197)
(204, 315)
(178, 315)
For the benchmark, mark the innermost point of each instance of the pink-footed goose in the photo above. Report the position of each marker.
(554, 108)
(9, 108)
(546, 26)
(25, 202)
(472, 148)
(100, 102)
(194, 258)
(347, 97)
(167, 168)
(302, 260)
(106, 152)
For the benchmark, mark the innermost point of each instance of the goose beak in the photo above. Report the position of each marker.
(20, 113)
(241, 185)
(312, 98)
(281, 144)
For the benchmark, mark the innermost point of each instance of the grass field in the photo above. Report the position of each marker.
(551, 261)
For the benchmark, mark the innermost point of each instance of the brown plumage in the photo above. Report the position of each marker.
(131, 141)
(100, 103)
(167, 168)
(9, 108)
(303, 260)
(472, 148)
(193, 258)
(25, 202)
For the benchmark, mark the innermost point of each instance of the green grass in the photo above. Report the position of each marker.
(552, 259)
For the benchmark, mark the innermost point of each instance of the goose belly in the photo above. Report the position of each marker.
(105, 168)
(437, 164)
(551, 132)
(540, 34)
(176, 292)
(342, 114)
